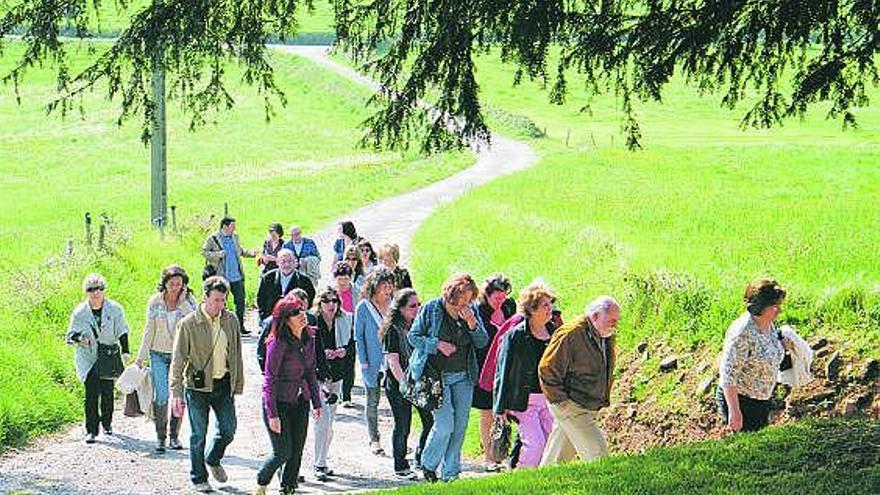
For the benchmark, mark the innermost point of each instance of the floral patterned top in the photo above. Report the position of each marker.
(750, 359)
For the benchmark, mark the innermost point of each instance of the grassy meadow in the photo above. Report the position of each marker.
(112, 17)
(303, 167)
(676, 230)
(811, 457)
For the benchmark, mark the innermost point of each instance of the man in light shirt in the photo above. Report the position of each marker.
(206, 372)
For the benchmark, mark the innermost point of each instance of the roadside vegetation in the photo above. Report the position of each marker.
(836, 457)
(303, 167)
(677, 229)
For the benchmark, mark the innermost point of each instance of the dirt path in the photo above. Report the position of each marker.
(125, 463)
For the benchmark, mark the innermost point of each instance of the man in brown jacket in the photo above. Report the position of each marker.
(575, 374)
(207, 370)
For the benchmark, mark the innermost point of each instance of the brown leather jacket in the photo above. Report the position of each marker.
(574, 368)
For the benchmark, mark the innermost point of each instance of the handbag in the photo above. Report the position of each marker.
(132, 406)
(109, 365)
(426, 392)
(499, 439)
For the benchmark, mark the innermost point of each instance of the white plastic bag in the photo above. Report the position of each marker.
(801, 360)
(131, 378)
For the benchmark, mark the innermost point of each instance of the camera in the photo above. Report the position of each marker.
(330, 397)
(199, 379)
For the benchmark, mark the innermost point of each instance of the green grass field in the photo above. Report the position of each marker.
(111, 18)
(807, 458)
(676, 230)
(304, 167)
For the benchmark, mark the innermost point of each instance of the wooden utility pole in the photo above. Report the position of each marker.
(158, 155)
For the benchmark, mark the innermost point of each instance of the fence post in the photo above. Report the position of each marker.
(102, 233)
(69, 252)
(88, 228)
(225, 209)
(174, 218)
(567, 137)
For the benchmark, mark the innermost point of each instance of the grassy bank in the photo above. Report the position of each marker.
(820, 458)
(304, 167)
(676, 230)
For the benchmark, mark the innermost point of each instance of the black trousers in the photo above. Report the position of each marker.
(755, 413)
(287, 446)
(96, 389)
(401, 409)
(237, 289)
(348, 381)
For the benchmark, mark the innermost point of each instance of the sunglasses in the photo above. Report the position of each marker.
(414, 305)
(93, 289)
(330, 301)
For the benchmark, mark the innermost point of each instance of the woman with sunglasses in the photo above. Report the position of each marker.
(289, 383)
(403, 310)
(337, 337)
(172, 301)
(97, 320)
(495, 307)
(368, 256)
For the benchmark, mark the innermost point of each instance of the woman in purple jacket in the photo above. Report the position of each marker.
(289, 384)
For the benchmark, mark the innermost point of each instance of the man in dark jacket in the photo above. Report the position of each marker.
(576, 374)
(275, 284)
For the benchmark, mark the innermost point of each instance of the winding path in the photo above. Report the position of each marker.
(125, 463)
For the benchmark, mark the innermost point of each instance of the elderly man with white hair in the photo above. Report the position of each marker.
(576, 373)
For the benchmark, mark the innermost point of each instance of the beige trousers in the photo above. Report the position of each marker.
(574, 432)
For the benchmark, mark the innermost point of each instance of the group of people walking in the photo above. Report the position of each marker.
(473, 346)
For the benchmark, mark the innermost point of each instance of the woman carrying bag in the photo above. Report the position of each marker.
(98, 330)
(172, 301)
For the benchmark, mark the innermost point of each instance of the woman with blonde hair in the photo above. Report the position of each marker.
(172, 301)
(517, 390)
(389, 255)
(445, 336)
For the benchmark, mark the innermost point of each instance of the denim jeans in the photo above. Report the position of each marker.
(287, 446)
(160, 362)
(371, 413)
(198, 403)
(450, 425)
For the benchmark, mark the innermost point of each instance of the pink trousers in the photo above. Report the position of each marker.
(535, 424)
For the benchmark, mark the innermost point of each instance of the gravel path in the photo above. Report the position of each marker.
(125, 464)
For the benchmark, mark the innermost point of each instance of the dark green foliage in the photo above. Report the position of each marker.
(781, 56)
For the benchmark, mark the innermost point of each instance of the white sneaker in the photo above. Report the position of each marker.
(203, 487)
(218, 473)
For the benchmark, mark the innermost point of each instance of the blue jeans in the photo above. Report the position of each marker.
(160, 362)
(221, 401)
(450, 424)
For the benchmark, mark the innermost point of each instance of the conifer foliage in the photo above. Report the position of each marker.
(777, 58)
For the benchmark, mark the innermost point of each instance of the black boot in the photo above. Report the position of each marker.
(160, 416)
(174, 428)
